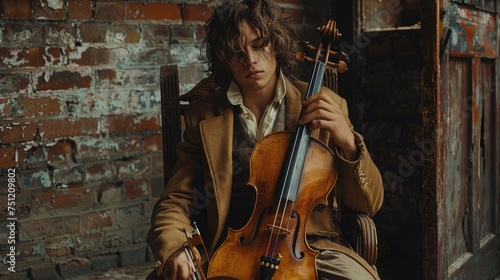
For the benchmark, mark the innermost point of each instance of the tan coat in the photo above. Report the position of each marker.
(201, 180)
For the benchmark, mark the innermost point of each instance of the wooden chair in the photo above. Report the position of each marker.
(359, 229)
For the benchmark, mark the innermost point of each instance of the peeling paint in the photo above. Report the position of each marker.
(104, 144)
(22, 36)
(55, 4)
(42, 179)
(185, 54)
(61, 37)
(473, 31)
(13, 59)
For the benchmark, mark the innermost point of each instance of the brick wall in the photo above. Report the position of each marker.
(80, 123)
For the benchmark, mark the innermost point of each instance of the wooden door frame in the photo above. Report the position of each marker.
(432, 26)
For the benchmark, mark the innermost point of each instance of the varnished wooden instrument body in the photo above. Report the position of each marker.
(239, 255)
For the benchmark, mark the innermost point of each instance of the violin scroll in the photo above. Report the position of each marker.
(335, 59)
(329, 32)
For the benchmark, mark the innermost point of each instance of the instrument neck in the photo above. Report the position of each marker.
(291, 173)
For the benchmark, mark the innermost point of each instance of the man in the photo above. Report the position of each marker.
(249, 49)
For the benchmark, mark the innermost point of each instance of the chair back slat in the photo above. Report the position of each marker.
(171, 116)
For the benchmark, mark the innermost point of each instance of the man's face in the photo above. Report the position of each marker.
(255, 69)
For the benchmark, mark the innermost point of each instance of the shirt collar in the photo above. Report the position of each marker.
(235, 97)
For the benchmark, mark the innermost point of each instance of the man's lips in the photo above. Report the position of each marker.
(253, 73)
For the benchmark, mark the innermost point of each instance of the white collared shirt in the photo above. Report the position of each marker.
(257, 131)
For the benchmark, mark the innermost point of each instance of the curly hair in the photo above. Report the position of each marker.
(223, 37)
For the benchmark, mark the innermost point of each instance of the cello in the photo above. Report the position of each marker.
(302, 173)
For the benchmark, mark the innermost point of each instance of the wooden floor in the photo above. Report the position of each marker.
(122, 273)
(137, 272)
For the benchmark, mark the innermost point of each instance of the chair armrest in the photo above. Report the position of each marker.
(361, 233)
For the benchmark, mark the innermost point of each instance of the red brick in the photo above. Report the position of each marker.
(29, 253)
(50, 9)
(156, 34)
(67, 174)
(50, 129)
(130, 78)
(65, 198)
(34, 178)
(199, 33)
(106, 74)
(15, 132)
(153, 11)
(138, 189)
(49, 226)
(118, 238)
(62, 81)
(23, 34)
(132, 32)
(54, 57)
(23, 206)
(98, 171)
(43, 271)
(153, 143)
(62, 151)
(80, 9)
(110, 194)
(110, 10)
(21, 57)
(31, 156)
(15, 9)
(129, 124)
(59, 34)
(129, 213)
(7, 158)
(14, 83)
(198, 13)
(156, 159)
(97, 219)
(92, 56)
(132, 167)
(88, 242)
(75, 267)
(60, 247)
(29, 107)
(126, 145)
(183, 33)
(92, 32)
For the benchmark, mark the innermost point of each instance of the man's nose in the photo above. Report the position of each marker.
(251, 57)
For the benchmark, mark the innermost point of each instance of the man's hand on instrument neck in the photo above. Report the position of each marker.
(322, 112)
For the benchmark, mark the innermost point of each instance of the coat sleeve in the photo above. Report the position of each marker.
(360, 182)
(171, 213)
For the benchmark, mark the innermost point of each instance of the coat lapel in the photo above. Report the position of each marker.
(217, 138)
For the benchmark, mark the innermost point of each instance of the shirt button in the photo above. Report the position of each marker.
(158, 263)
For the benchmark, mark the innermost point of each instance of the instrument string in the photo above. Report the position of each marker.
(289, 169)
